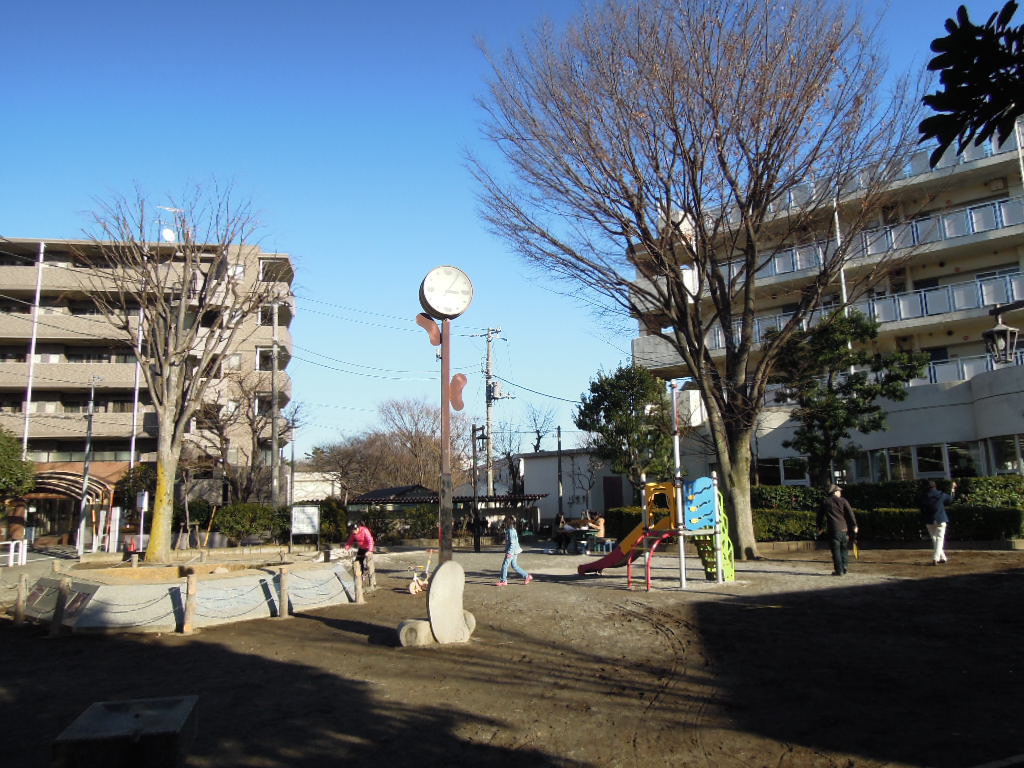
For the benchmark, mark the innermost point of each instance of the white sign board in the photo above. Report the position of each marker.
(306, 519)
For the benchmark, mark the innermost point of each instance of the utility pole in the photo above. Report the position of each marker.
(559, 433)
(83, 508)
(477, 434)
(493, 392)
(274, 490)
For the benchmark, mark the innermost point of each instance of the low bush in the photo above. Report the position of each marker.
(783, 525)
(236, 521)
(896, 524)
(997, 491)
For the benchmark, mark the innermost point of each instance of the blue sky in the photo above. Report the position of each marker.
(346, 123)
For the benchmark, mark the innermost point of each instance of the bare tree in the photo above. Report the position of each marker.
(404, 450)
(192, 296)
(508, 444)
(236, 430)
(542, 422)
(661, 153)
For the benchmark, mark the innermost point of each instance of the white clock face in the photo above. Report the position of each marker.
(446, 292)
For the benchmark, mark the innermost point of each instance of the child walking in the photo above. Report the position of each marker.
(512, 550)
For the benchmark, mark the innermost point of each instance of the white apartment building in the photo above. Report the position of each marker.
(961, 230)
(76, 348)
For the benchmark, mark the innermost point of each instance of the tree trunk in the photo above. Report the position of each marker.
(159, 549)
(736, 445)
(737, 496)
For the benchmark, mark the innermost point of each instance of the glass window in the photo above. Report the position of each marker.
(899, 464)
(1005, 456)
(794, 470)
(929, 460)
(768, 472)
(964, 459)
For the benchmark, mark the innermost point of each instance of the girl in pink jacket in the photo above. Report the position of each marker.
(363, 540)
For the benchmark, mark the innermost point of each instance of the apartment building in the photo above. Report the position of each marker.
(78, 355)
(956, 238)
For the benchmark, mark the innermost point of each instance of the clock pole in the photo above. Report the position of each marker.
(445, 500)
(445, 293)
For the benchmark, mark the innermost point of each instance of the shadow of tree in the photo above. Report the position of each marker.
(252, 711)
(920, 672)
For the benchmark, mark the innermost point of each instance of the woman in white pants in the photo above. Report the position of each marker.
(935, 517)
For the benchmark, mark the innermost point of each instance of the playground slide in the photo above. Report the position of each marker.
(627, 548)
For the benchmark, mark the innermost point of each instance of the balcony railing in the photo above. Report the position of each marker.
(916, 164)
(938, 372)
(972, 294)
(937, 227)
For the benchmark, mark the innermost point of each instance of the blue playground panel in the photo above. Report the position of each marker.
(699, 503)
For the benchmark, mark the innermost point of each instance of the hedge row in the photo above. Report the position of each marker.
(968, 523)
(998, 491)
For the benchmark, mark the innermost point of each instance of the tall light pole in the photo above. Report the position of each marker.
(445, 293)
(274, 480)
(83, 507)
(678, 476)
(32, 350)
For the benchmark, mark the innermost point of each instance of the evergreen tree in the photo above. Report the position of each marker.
(16, 476)
(628, 414)
(835, 382)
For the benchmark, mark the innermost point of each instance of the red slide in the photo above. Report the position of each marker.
(626, 550)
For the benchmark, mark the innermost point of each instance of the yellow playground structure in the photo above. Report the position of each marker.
(698, 514)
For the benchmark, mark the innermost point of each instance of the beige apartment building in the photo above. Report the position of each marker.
(957, 235)
(44, 401)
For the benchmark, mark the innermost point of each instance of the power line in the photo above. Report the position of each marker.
(534, 391)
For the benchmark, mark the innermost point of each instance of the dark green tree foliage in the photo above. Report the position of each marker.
(629, 415)
(814, 371)
(16, 476)
(141, 477)
(982, 75)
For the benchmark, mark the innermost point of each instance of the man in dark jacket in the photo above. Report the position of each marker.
(935, 518)
(836, 514)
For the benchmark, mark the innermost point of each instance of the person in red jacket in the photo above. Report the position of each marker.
(363, 540)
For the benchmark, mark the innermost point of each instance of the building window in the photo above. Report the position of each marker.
(899, 464)
(768, 472)
(1006, 454)
(964, 459)
(930, 461)
(794, 471)
(265, 359)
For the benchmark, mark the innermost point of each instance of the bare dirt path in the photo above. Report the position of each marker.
(897, 664)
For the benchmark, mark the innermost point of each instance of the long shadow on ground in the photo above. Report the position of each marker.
(252, 711)
(920, 672)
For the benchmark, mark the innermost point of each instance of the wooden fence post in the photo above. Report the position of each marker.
(63, 593)
(19, 606)
(282, 594)
(192, 585)
(357, 572)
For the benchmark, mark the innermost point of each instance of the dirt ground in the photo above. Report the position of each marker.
(898, 663)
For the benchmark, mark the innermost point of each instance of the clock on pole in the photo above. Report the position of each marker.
(446, 292)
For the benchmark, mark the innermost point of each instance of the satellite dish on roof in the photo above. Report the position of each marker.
(168, 235)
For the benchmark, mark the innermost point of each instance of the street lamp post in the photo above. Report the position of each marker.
(678, 477)
(1001, 340)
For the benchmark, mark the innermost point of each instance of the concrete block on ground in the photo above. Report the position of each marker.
(156, 733)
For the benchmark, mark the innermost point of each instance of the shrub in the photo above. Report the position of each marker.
(896, 524)
(783, 525)
(998, 491)
(239, 520)
(621, 520)
(420, 522)
(790, 497)
(333, 520)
